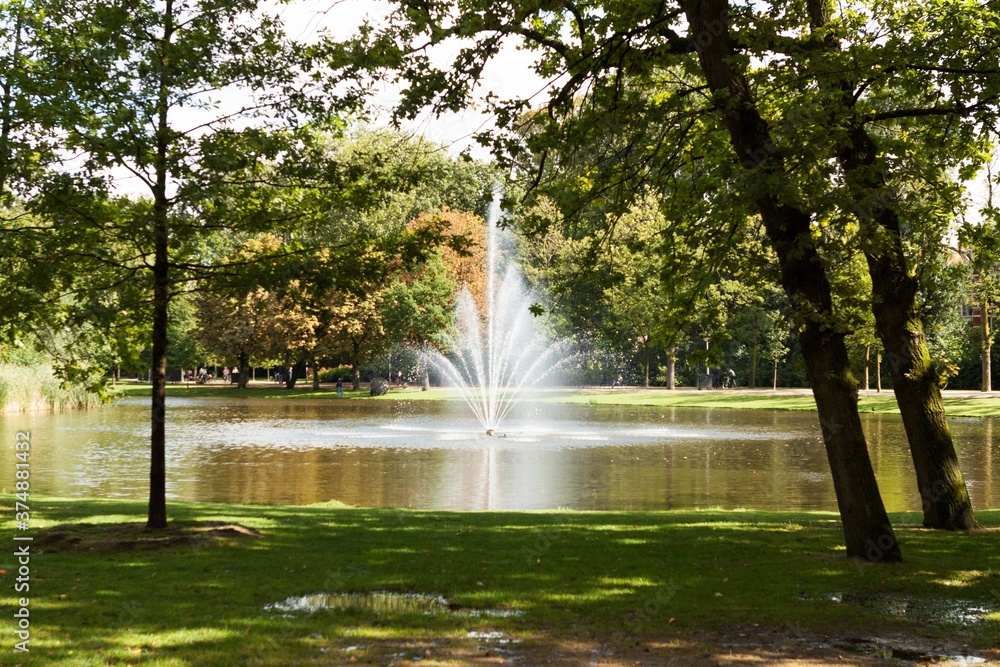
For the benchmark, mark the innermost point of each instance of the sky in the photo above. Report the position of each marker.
(509, 74)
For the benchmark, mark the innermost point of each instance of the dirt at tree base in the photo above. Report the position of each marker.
(118, 537)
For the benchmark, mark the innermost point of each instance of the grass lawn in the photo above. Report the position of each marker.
(957, 404)
(525, 588)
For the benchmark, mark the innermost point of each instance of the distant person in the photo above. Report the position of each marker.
(235, 375)
(340, 387)
(225, 373)
(399, 378)
(731, 379)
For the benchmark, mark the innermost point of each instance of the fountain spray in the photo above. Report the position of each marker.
(492, 375)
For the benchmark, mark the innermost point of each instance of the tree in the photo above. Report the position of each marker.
(132, 69)
(776, 334)
(236, 326)
(980, 244)
(420, 307)
(32, 92)
(373, 204)
(294, 334)
(635, 295)
(752, 324)
(358, 332)
(857, 103)
(467, 261)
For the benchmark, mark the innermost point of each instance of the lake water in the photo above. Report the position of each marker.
(429, 455)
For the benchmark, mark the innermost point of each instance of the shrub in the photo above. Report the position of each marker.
(331, 374)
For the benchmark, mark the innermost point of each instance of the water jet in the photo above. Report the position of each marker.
(494, 358)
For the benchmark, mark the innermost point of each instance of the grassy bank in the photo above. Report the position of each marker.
(31, 388)
(556, 587)
(957, 404)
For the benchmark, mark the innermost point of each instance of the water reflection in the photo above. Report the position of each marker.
(427, 455)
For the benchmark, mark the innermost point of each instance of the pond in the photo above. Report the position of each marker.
(424, 454)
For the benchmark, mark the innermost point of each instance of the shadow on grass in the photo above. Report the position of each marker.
(657, 581)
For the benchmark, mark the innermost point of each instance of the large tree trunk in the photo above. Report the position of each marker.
(897, 315)
(293, 374)
(915, 380)
(157, 517)
(867, 531)
(243, 363)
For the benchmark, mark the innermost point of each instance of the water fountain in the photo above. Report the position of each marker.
(495, 358)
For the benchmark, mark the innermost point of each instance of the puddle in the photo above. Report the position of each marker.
(495, 643)
(378, 602)
(491, 636)
(884, 649)
(928, 610)
(383, 602)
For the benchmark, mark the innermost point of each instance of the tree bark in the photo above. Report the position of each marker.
(243, 363)
(157, 516)
(915, 380)
(867, 531)
(294, 372)
(752, 381)
(898, 323)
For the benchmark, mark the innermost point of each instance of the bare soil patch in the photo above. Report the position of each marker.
(744, 646)
(119, 537)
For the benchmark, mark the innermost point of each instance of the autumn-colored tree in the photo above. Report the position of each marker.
(357, 328)
(236, 326)
(465, 257)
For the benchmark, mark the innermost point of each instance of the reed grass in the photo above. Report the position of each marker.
(34, 388)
